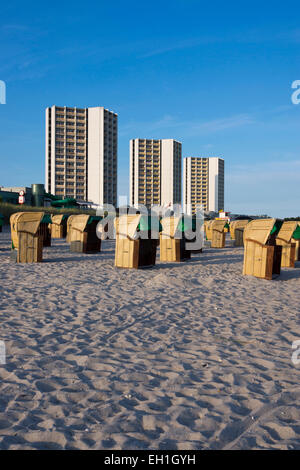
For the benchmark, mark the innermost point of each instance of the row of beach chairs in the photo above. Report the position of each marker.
(32, 231)
(133, 250)
(269, 244)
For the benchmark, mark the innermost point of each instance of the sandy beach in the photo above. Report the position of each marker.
(181, 356)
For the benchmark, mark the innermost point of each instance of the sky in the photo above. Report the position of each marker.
(216, 76)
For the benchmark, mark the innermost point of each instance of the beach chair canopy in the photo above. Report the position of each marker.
(46, 219)
(28, 222)
(150, 222)
(58, 218)
(259, 230)
(236, 224)
(218, 225)
(171, 225)
(287, 230)
(80, 222)
(127, 225)
(186, 223)
(69, 221)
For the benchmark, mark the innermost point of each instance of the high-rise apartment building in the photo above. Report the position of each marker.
(81, 153)
(203, 184)
(155, 172)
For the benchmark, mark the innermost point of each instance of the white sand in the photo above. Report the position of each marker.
(181, 356)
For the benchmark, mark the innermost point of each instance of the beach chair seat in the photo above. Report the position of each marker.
(218, 235)
(45, 229)
(82, 234)
(297, 250)
(285, 239)
(173, 241)
(27, 239)
(131, 251)
(262, 257)
(239, 236)
(235, 225)
(59, 226)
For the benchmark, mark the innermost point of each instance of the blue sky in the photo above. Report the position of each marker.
(217, 76)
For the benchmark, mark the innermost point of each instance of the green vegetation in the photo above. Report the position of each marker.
(8, 209)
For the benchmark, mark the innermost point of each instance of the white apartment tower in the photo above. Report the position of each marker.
(155, 172)
(81, 154)
(203, 184)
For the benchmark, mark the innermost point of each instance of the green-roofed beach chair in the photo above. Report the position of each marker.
(285, 238)
(172, 240)
(83, 236)
(262, 257)
(218, 233)
(134, 246)
(27, 241)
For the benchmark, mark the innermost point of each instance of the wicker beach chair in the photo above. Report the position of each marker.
(27, 239)
(131, 251)
(285, 239)
(217, 233)
(262, 257)
(82, 234)
(172, 240)
(59, 226)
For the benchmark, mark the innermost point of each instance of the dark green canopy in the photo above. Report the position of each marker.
(146, 221)
(46, 219)
(277, 226)
(296, 234)
(94, 218)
